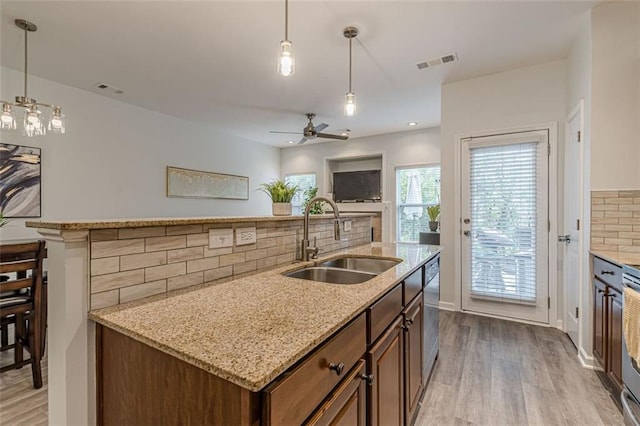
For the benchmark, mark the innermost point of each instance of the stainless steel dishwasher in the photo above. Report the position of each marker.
(630, 369)
(431, 295)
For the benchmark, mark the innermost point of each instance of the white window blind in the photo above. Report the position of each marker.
(304, 182)
(504, 212)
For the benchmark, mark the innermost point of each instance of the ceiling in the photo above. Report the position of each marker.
(214, 62)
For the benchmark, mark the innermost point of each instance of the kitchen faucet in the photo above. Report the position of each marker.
(312, 252)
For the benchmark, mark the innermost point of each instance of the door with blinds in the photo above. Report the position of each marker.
(505, 223)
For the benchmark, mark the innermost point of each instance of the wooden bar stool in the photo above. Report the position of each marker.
(22, 303)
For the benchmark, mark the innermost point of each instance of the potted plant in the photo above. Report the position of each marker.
(434, 214)
(318, 206)
(281, 194)
(3, 220)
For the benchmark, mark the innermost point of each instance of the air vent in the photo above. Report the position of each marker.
(430, 63)
(109, 88)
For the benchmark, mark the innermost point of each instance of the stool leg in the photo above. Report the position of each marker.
(4, 338)
(36, 355)
(19, 339)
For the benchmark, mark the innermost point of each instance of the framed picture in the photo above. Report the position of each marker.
(20, 189)
(186, 183)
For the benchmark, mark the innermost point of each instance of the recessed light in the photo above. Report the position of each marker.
(291, 142)
(413, 123)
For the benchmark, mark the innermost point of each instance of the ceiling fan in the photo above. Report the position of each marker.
(311, 132)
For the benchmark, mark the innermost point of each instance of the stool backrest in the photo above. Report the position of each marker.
(23, 263)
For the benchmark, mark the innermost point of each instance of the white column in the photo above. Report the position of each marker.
(70, 336)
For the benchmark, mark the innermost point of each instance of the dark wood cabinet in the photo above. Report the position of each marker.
(413, 356)
(385, 360)
(607, 318)
(614, 319)
(347, 405)
(599, 319)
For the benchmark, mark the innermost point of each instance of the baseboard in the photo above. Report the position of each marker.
(447, 306)
(588, 361)
(560, 324)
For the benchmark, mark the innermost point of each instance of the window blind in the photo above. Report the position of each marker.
(504, 213)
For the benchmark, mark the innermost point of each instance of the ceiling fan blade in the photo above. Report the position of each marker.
(288, 133)
(330, 136)
(303, 140)
(320, 127)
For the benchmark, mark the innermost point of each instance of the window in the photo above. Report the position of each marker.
(303, 182)
(417, 188)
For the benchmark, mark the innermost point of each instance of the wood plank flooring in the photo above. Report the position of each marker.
(489, 372)
(496, 372)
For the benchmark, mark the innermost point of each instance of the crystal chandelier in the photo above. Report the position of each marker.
(33, 124)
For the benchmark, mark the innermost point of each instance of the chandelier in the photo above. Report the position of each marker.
(33, 124)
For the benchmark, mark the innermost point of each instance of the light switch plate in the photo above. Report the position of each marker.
(347, 225)
(220, 238)
(245, 236)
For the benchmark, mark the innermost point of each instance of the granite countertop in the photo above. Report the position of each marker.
(621, 258)
(251, 330)
(171, 221)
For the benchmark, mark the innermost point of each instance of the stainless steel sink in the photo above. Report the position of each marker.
(331, 275)
(363, 264)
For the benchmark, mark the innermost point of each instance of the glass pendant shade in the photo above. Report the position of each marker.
(33, 125)
(8, 118)
(350, 105)
(286, 63)
(56, 122)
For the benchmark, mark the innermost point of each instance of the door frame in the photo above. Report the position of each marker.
(552, 129)
(578, 110)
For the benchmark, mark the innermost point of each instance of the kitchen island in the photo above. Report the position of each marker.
(245, 334)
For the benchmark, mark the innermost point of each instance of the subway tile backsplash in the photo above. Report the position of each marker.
(615, 221)
(131, 263)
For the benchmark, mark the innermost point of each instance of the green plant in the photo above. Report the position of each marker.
(433, 212)
(318, 206)
(279, 191)
(3, 220)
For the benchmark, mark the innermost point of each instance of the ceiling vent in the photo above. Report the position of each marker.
(430, 63)
(109, 88)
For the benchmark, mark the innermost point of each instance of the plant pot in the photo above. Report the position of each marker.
(281, 209)
(433, 225)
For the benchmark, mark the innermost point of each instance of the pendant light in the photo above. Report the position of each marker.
(33, 123)
(350, 99)
(286, 63)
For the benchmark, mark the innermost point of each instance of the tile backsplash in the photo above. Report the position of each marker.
(615, 221)
(131, 263)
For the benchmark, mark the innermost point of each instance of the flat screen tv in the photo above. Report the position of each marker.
(357, 186)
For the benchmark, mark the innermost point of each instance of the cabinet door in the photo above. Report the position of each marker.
(347, 405)
(386, 363)
(599, 318)
(615, 338)
(413, 356)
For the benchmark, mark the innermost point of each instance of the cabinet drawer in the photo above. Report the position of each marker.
(381, 313)
(291, 399)
(413, 285)
(608, 272)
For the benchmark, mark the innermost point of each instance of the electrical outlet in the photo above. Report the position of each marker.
(347, 225)
(220, 238)
(245, 236)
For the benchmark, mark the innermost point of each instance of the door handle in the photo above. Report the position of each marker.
(564, 238)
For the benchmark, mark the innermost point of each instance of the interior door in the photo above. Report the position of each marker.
(571, 269)
(505, 225)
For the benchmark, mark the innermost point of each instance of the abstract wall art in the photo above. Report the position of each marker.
(186, 183)
(20, 181)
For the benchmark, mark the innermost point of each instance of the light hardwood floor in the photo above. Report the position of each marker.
(489, 372)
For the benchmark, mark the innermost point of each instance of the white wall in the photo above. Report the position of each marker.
(615, 116)
(112, 161)
(397, 149)
(579, 88)
(522, 97)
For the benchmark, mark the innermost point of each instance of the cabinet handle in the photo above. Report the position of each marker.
(337, 368)
(368, 378)
(599, 291)
(607, 272)
(410, 321)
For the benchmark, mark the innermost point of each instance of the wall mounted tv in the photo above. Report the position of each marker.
(358, 186)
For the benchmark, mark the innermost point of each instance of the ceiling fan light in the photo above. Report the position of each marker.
(350, 105)
(56, 121)
(286, 62)
(33, 125)
(8, 118)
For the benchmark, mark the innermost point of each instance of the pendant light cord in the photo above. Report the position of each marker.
(286, 20)
(25, 62)
(350, 56)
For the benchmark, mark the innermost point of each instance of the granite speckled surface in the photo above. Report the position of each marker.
(621, 258)
(168, 221)
(250, 330)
